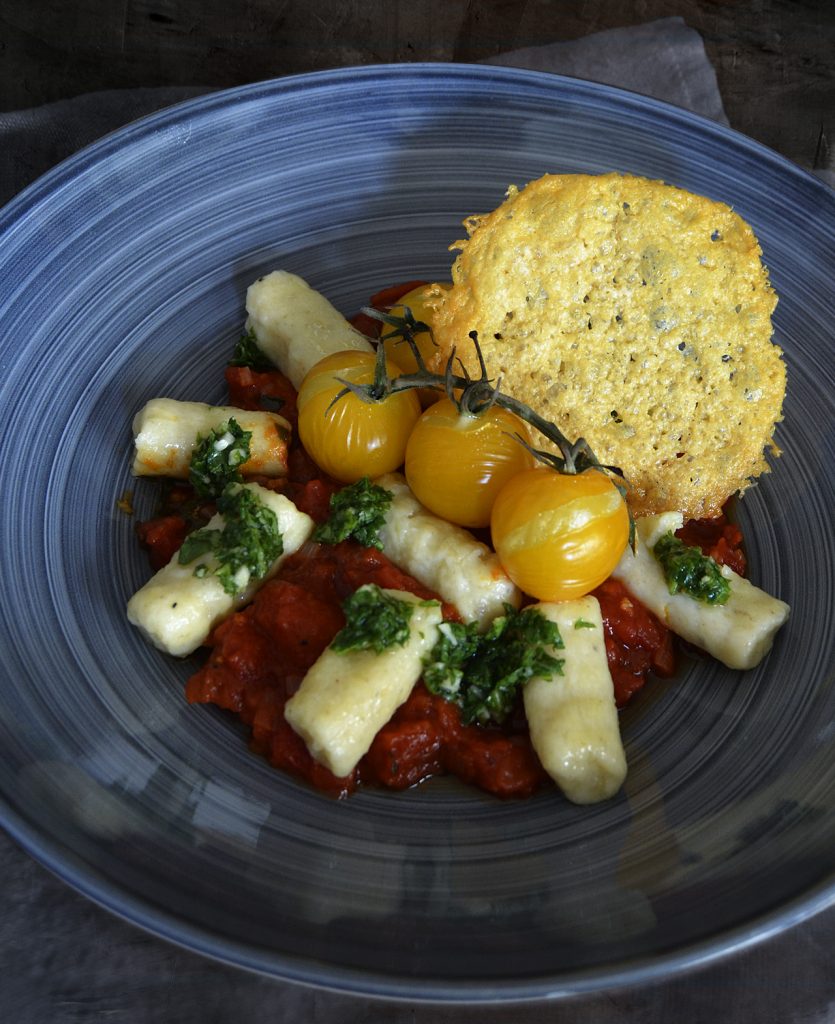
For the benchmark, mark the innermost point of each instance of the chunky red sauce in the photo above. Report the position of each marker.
(719, 538)
(260, 655)
(637, 642)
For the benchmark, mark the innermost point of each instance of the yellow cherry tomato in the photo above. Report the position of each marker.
(559, 535)
(351, 438)
(422, 301)
(456, 463)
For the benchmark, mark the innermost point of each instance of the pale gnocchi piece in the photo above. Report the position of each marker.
(347, 697)
(738, 633)
(177, 610)
(166, 431)
(295, 326)
(572, 718)
(444, 557)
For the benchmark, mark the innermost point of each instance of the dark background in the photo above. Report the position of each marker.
(774, 59)
(775, 64)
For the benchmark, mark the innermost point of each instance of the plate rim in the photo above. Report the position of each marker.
(135, 911)
(624, 974)
(76, 162)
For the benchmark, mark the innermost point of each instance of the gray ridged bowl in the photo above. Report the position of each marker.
(123, 277)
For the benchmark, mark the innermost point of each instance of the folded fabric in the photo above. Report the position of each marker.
(664, 59)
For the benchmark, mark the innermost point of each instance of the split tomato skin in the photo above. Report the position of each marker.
(559, 535)
(350, 438)
(457, 462)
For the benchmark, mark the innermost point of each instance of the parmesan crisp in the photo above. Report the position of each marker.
(631, 313)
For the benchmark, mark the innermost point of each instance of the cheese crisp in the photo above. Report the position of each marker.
(633, 314)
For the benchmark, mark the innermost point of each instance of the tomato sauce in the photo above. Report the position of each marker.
(259, 656)
(163, 537)
(719, 538)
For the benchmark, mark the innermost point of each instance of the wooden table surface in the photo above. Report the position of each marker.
(774, 59)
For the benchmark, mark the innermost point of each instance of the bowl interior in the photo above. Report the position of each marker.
(124, 276)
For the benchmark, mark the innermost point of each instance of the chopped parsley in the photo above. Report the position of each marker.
(583, 624)
(374, 621)
(687, 570)
(482, 673)
(358, 512)
(248, 353)
(217, 458)
(443, 670)
(244, 549)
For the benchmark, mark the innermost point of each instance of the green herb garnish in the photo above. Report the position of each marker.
(248, 353)
(482, 673)
(244, 549)
(217, 458)
(687, 570)
(374, 621)
(443, 670)
(357, 511)
(583, 624)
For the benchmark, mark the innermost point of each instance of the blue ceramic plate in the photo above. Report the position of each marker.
(123, 277)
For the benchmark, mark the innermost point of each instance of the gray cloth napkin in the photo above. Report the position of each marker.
(664, 59)
(63, 960)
